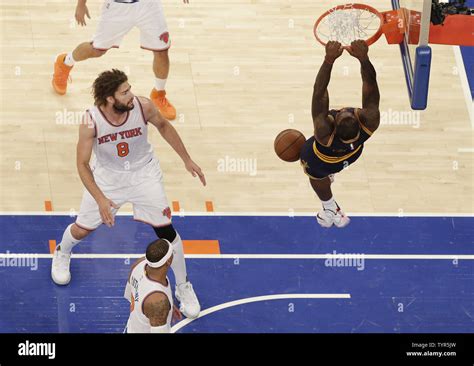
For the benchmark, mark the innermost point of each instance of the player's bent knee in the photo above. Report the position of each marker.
(98, 53)
(166, 232)
(78, 232)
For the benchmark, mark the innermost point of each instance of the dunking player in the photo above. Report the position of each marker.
(117, 18)
(149, 292)
(339, 135)
(125, 170)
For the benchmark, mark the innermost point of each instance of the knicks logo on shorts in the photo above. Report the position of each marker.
(165, 37)
(167, 212)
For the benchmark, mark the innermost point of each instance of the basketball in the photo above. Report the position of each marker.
(288, 145)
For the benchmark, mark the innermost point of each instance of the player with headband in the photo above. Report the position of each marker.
(149, 292)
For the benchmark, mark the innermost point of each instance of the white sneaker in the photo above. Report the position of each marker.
(60, 267)
(189, 303)
(327, 218)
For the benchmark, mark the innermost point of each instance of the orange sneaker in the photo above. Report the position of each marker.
(159, 99)
(61, 74)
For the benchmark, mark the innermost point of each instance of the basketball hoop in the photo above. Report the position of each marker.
(350, 22)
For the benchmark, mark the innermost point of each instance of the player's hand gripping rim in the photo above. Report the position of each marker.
(359, 49)
(334, 50)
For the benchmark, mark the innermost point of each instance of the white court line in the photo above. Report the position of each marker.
(248, 300)
(280, 213)
(464, 83)
(254, 256)
(466, 150)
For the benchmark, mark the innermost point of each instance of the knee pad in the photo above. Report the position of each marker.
(166, 232)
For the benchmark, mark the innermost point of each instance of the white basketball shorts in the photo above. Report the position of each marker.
(142, 188)
(118, 18)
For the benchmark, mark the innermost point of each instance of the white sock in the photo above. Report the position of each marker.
(178, 266)
(68, 241)
(69, 60)
(330, 204)
(160, 84)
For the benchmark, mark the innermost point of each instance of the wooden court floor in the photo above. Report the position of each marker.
(241, 71)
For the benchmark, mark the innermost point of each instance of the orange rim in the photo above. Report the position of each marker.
(368, 8)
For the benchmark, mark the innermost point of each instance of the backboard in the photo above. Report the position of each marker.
(415, 51)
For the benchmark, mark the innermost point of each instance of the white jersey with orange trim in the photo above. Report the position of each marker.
(139, 287)
(124, 147)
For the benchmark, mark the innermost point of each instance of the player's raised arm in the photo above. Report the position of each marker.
(171, 136)
(156, 308)
(320, 102)
(83, 156)
(370, 113)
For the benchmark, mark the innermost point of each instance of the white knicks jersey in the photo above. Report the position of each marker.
(124, 147)
(138, 289)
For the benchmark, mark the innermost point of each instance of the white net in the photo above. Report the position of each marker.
(348, 24)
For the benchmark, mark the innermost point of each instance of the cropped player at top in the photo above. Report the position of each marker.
(117, 18)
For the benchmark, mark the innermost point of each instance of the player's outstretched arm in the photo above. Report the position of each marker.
(156, 308)
(320, 103)
(171, 136)
(83, 156)
(370, 113)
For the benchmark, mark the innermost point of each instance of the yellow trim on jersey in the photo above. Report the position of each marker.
(304, 165)
(367, 131)
(333, 159)
(331, 138)
(311, 177)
